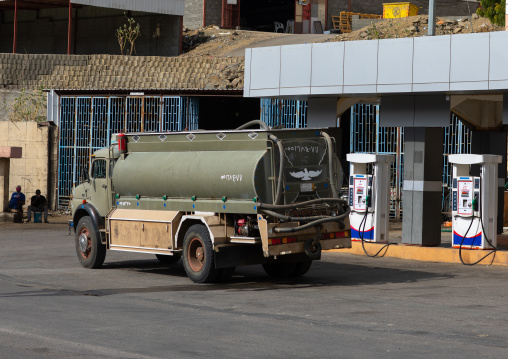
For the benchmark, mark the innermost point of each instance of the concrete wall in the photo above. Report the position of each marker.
(31, 171)
(92, 35)
(193, 16)
(213, 12)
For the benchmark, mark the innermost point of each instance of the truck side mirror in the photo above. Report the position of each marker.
(84, 174)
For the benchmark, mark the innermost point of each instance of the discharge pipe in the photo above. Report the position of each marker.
(281, 168)
(330, 163)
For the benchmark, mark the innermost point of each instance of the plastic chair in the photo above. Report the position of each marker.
(279, 26)
(290, 27)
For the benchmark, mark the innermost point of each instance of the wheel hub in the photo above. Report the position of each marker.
(196, 254)
(83, 243)
(199, 254)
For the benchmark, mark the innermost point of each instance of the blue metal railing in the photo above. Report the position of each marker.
(287, 113)
(87, 123)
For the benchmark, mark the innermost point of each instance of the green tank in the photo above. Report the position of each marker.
(240, 165)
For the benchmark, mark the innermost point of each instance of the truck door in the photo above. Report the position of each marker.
(99, 183)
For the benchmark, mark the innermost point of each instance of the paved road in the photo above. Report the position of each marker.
(346, 307)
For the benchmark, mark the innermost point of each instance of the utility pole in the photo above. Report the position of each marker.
(432, 18)
(69, 31)
(15, 38)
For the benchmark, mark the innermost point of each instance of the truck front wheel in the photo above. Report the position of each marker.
(198, 258)
(89, 248)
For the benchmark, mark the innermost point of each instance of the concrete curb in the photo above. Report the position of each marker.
(428, 254)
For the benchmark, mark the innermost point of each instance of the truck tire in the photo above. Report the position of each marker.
(168, 260)
(198, 256)
(279, 270)
(89, 248)
(301, 268)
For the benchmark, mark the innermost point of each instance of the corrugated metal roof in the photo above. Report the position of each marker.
(168, 7)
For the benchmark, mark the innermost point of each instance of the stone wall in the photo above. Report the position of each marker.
(110, 72)
(30, 171)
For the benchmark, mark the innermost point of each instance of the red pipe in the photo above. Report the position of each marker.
(223, 21)
(181, 35)
(15, 39)
(349, 6)
(204, 13)
(69, 31)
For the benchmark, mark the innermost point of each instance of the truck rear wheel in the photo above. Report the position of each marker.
(168, 260)
(89, 248)
(198, 258)
(302, 268)
(279, 270)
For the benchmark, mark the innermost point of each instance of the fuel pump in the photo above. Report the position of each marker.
(474, 201)
(369, 196)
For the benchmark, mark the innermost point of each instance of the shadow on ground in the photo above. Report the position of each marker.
(249, 278)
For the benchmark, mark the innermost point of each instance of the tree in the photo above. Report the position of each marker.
(494, 10)
(128, 33)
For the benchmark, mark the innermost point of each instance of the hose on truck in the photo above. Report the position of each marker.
(314, 221)
(330, 163)
(306, 203)
(281, 168)
(261, 124)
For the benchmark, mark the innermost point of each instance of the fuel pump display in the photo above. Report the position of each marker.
(361, 191)
(474, 201)
(369, 197)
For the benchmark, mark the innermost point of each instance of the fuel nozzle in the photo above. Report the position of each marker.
(368, 201)
(475, 203)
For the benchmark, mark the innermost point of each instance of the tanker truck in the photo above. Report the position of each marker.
(216, 199)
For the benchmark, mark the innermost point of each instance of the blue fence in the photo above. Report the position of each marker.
(287, 113)
(87, 123)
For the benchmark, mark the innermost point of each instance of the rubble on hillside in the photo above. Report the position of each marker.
(416, 26)
(215, 42)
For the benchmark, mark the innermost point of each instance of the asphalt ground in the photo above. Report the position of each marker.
(347, 306)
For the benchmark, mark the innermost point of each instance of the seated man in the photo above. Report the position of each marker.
(38, 203)
(17, 201)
